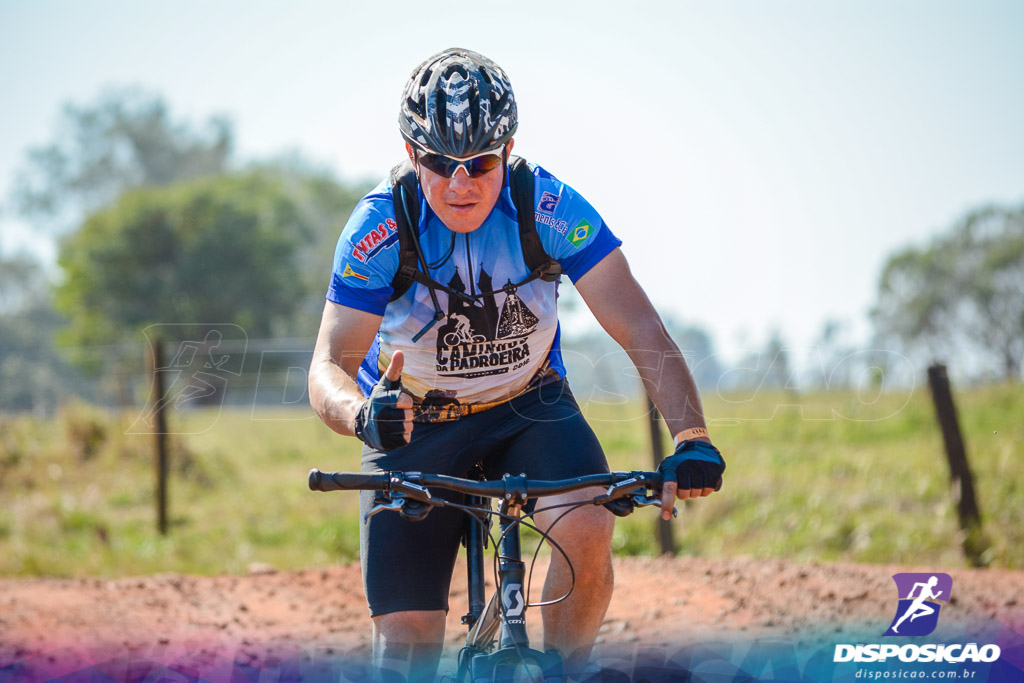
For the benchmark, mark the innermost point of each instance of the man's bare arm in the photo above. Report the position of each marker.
(344, 338)
(624, 311)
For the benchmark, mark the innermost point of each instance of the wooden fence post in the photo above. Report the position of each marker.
(160, 443)
(665, 539)
(968, 511)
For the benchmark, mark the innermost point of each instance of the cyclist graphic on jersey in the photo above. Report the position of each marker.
(469, 322)
(918, 608)
(463, 333)
(476, 340)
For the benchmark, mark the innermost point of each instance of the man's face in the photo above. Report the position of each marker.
(462, 203)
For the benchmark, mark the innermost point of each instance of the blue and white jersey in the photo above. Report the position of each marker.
(483, 352)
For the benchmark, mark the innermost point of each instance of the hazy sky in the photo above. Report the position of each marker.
(758, 159)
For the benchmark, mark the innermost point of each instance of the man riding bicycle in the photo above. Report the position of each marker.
(386, 370)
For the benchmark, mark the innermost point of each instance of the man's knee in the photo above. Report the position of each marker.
(410, 627)
(407, 645)
(586, 532)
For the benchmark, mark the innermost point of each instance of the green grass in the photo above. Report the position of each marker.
(830, 477)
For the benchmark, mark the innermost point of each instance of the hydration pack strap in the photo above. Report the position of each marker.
(405, 195)
(537, 260)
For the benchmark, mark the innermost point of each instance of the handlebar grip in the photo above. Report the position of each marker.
(345, 481)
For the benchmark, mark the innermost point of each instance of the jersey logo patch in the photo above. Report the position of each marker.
(348, 272)
(559, 226)
(378, 239)
(579, 234)
(548, 202)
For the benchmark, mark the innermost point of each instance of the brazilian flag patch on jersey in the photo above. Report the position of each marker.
(579, 234)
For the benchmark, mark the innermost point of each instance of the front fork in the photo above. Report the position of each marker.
(476, 533)
(512, 575)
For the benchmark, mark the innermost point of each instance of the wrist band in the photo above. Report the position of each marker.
(692, 433)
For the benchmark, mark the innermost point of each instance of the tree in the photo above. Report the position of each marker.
(324, 203)
(158, 227)
(32, 374)
(217, 250)
(127, 139)
(961, 295)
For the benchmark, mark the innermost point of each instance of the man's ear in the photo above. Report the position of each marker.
(412, 159)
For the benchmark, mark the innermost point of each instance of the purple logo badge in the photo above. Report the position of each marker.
(918, 611)
(548, 202)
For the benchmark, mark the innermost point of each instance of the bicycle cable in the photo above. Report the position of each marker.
(545, 537)
(572, 507)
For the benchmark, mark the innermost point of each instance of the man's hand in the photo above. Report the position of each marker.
(384, 421)
(694, 470)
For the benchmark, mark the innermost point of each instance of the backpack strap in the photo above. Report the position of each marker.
(537, 259)
(404, 194)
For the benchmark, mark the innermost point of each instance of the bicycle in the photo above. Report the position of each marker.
(497, 646)
(454, 339)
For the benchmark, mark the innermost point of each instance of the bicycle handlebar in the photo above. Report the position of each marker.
(345, 481)
(387, 481)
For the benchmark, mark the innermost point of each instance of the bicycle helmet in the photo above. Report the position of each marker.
(458, 103)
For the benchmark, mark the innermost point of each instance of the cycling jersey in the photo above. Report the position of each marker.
(486, 350)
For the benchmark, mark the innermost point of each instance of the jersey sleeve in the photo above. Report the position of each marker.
(366, 258)
(571, 230)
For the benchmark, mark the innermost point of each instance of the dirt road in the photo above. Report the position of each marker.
(657, 601)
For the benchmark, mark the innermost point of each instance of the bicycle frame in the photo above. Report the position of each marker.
(506, 609)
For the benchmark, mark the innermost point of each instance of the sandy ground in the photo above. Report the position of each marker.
(657, 602)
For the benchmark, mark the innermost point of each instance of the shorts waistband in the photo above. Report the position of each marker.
(449, 410)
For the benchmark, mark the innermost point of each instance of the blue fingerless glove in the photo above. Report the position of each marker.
(379, 424)
(694, 465)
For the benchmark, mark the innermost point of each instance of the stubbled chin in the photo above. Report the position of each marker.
(461, 225)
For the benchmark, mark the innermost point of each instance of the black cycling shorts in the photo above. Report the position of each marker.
(409, 565)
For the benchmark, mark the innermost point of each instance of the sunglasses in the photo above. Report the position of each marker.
(475, 166)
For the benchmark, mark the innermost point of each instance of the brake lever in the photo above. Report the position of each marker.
(395, 504)
(643, 500)
(614, 489)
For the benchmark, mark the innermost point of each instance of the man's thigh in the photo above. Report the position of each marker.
(547, 437)
(408, 565)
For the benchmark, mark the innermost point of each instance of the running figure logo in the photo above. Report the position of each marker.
(918, 613)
